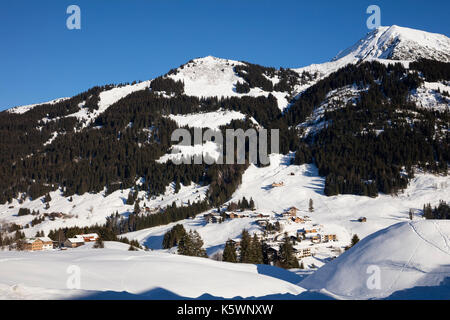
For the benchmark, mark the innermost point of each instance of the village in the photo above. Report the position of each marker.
(309, 239)
(45, 243)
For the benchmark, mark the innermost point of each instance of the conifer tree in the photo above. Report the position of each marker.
(173, 236)
(287, 257)
(256, 250)
(130, 199)
(191, 244)
(355, 240)
(229, 253)
(137, 208)
(245, 248)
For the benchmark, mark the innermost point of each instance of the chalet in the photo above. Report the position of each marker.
(316, 239)
(33, 244)
(260, 215)
(277, 184)
(292, 211)
(74, 242)
(328, 237)
(306, 231)
(232, 215)
(262, 222)
(212, 218)
(90, 237)
(37, 244)
(47, 243)
(303, 253)
(297, 220)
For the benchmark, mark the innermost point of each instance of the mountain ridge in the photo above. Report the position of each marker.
(381, 43)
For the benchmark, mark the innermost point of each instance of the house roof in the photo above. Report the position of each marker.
(45, 239)
(76, 240)
(32, 240)
(87, 235)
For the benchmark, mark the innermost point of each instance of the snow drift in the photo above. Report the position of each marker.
(411, 259)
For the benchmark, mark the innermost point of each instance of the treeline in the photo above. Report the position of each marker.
(440, 212)
(432, 70)
(256, 76)
(167, 85)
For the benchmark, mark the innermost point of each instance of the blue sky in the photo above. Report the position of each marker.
(126, 40)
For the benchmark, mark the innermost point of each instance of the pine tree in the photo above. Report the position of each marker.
(130, 199)
(287, 258)
(47, 198)
(256, 250)
(137, 208)
(244, 256)
(355, 240)
(428, 211)
(177, 185)
(173, 236)
(229, 253)
(252, 204)
(311, 206)
(191, 244)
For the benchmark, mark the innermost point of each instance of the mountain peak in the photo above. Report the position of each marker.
(399, 43)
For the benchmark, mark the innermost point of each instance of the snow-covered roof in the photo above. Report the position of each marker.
(76, 240)
(45, 239)
(88, 235)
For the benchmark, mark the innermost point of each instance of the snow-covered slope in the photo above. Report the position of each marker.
(398, 43)
(92, 208)
(116, 272)
(410, 260)
(108, 98)
(23, 109)
(212, 120)
(302, 183)
(431, 95)
(215, 77)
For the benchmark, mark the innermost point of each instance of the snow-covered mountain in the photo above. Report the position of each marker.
(211, 76)
(399, 43)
